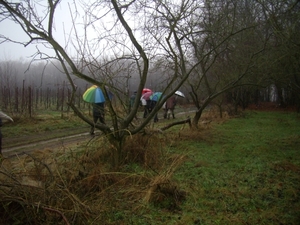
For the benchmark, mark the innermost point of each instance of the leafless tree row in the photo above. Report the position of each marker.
(28, 100)
(214, 50)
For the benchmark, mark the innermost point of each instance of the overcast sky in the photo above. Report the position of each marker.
(13, 51)
(95, 44)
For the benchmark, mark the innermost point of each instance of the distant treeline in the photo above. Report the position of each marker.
(27, 99)
(44, 88)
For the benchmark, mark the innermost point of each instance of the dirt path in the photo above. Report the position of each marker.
(55, 143)
(19, 145)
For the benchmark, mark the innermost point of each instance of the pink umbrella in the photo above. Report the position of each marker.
(146, 90)
(146, 96)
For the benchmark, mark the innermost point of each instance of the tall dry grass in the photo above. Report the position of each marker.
(78, 186)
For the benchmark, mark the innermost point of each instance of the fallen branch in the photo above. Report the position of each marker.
(177, 123)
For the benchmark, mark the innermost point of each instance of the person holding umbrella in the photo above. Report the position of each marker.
(170, 106)
(171, 103)
(3, 116)
(153, 100)
(95, 96)
(146, 102)
(98, 114)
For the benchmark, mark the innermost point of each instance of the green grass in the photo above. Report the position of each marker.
(244, 171)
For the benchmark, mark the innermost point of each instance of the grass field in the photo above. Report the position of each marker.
(247, 171)
(244, 170)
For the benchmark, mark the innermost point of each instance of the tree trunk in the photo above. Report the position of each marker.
(220, 111)
(118, 144)
(281, 102)
(197, 118)
(29, 102)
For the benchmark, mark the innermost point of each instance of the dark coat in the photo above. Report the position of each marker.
(171, 103)
(98, 109)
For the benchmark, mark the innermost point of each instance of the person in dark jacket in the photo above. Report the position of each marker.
(147, 108)
(98, 114)
(132, 99)
(151, 106)
(170, 106)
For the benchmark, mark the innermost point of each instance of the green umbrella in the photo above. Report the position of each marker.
(155, 96)
(93, 95)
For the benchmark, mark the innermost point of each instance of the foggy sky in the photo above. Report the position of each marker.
(14, 51)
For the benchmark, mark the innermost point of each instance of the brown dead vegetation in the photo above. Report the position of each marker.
(77, 186)
(73, 187)
(271, 106)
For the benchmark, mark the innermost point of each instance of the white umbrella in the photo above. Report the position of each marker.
(179, 93)
(5, 117)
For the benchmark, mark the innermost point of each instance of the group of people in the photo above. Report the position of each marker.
(149, 105)
(98, 112)
(169, 106)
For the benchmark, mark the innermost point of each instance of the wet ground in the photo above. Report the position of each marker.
(20, 144)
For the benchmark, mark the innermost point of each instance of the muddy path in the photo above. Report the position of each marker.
(53, 144)
(55, 140)
(66, 138)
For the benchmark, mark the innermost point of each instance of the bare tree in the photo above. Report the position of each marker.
(110, 42)
(226, 49)
(283, 67)
(204, 44)
(7, 79)
(105, 59)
